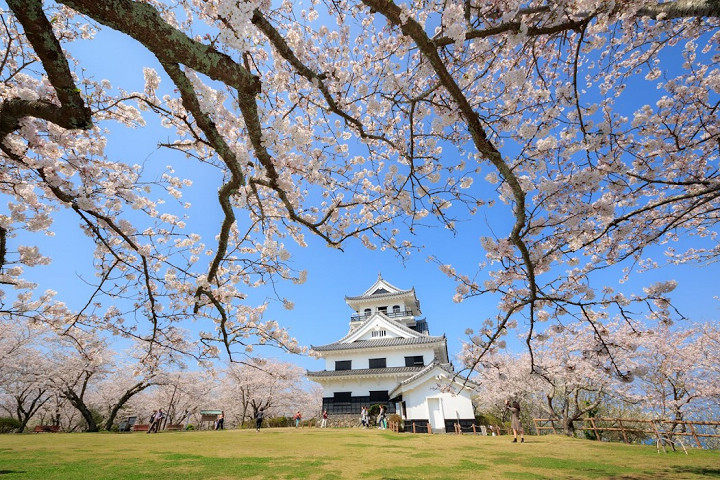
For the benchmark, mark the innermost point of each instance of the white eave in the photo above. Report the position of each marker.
(381, 343)
(362, 299)
(382, 290)
(364, 372)
(435, 369)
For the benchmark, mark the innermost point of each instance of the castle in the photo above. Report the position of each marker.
(388, 357)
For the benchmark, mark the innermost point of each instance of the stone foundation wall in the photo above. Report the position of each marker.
(347, 420)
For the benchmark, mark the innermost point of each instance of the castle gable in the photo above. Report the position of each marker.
(379, 327)
(382, 286)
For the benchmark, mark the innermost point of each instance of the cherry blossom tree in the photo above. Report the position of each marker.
(570, 376)
(93, 379)
(127, 378)
(180, 393)
(80, 359)
(679, 379)
(276, 387)
(24, 386)
(366, 120)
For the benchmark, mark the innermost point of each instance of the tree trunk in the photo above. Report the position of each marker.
(79, 404)
(25, 415)
(569, 426)
(122, 401)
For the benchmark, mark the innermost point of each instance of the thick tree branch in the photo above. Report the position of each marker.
(72, 112)
(143, 22)
(484, 146)
(681, 9)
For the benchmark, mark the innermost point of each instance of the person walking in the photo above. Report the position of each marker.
(220, 422)
(514, 408)
(382, 420)
(156, 420)
(258, 419)
(297, 418)
(152, 421)
(323, 424)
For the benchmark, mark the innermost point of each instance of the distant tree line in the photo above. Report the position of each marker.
(76, 381)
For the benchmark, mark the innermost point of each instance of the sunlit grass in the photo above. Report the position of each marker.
(337, 454)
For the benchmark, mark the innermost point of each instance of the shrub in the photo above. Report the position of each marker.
(9, 425)
(488, 419)
(309, 422)
(279, 422)
(98, 417)
(395, 418)
(189, 427)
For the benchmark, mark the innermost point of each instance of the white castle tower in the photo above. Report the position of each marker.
(389, 357)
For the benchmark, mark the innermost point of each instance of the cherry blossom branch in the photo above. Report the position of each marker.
(516, 27)
(712, 192)
(661, 11)
(681, 9)
(282, 47)
(72, 201)
(218, 143)
(72, 112)
(413, 29)
(143, 22)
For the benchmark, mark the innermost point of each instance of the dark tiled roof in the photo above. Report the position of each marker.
(445, 366)
(381, 342)
(364, 371)
(378, 294)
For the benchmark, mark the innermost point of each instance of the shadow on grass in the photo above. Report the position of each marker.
(395, 437)
(523, 476)
(436, 472)
(10, 472)
(190, 465)
(597, 469)
(703, 472)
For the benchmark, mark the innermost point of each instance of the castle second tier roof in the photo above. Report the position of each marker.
(382, 342)
(373, 372)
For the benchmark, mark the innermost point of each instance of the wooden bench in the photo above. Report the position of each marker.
(177, 426)
(47, 429)
(140, 427)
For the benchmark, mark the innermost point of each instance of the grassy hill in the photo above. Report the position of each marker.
(337, 454)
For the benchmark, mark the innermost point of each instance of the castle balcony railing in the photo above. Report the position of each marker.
(363, 316)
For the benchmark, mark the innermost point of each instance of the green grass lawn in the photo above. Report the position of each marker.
(337, 453)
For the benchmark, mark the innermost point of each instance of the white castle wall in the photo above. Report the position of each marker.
(361, 359)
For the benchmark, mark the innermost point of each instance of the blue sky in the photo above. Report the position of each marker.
(320, 315)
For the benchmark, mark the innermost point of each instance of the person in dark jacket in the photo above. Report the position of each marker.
(220, 422)
(258, 419)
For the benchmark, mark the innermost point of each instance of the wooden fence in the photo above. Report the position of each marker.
(411, 427)
(629, 426)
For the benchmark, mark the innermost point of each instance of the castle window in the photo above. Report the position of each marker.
(377, 363)
(382, 310)
(367, 312)
(379, 396)
(342, 397)
(343, 364)
(379, 333)
(416, 361)
(396, 309)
